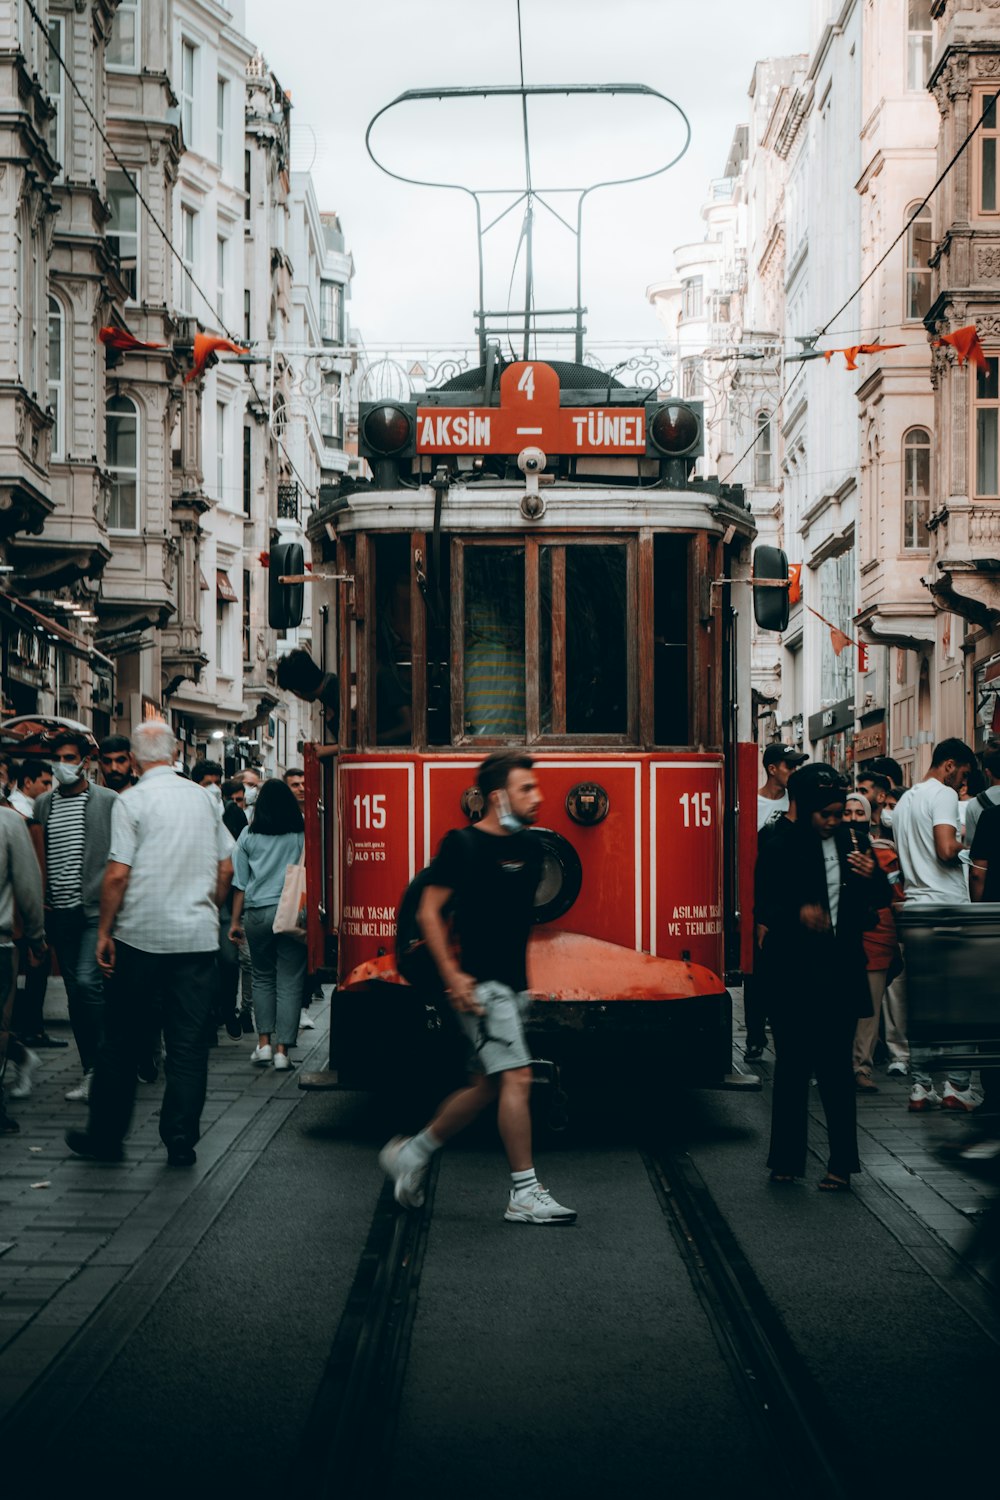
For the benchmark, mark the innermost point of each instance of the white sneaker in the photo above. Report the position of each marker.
(282, 1061)
(21, 1087)
(261, 1056)
(897, 1069)
(536, 1206)
(306, 1022)
(922, 1098)
(985, 1150)
(409, 1189)
(960, 1100)
(82, 1090)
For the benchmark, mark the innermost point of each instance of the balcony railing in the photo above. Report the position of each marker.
(288, 501)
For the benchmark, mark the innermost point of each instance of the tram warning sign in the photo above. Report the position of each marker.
(529, 416)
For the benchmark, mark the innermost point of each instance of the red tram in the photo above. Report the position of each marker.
(531, 563)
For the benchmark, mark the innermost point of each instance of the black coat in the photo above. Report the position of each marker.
(797, 965)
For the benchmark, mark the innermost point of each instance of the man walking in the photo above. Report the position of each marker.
(33, 779)
(487, 875)
(772, 798)
(990, 798)
(876, 787)
(167, 875)
(926, 827)
(114, 756)
(73, 838)
(20, 883)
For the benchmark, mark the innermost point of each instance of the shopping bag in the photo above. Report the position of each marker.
(290, 918)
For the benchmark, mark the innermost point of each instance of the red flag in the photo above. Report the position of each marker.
(123, 341)
(794, 583)
(205, 345)
(851, 354)
(862, 657)
(965, 342)
(838, 640)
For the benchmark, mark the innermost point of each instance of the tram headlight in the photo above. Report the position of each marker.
(386, 430)
(675, 429)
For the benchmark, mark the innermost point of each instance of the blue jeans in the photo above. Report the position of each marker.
(73, 935)
(279, 966)
(959, 1078)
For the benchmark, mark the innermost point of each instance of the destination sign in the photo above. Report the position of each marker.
(529, 416)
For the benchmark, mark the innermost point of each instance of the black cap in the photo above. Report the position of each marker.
(774, 754)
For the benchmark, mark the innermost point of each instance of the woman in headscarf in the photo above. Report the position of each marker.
(818, 889)
(880, 945)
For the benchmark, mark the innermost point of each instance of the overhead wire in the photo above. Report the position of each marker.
(154, 220)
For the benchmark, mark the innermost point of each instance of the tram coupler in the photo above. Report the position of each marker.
(547, 1075)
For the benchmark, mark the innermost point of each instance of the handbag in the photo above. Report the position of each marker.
(290, 918)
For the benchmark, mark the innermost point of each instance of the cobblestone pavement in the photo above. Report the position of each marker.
(72, 1230)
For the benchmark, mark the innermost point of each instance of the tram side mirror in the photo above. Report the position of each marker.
(285, 601)
(770, 588)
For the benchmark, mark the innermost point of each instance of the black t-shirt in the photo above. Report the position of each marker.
(986, 847)
(494, 878)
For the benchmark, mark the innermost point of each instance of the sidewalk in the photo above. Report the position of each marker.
(72, 1230)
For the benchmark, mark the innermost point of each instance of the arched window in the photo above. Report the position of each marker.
(122, 428)
(916, 488)
(57, 364)
(763, 472)
(918, 264)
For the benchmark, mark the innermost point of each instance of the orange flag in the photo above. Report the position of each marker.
(123, 341)
(965, 342)
(851, 354)
(205, 345)
(794, 583)
(839, 640)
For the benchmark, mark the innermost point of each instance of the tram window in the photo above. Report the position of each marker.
(393, 642)
(494, 642)
(438, 597)
(671, 688)
(583, 666)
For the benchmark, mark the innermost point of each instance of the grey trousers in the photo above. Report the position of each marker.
(279, 966)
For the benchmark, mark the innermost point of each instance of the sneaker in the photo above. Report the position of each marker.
(43, 1040)
(21, 1087)
(922, 1098)
(82, 1143)
(961, 1100)
(261, 1056)
(234, 1026)
(146, 1071)
(536, 1206)
(306, 1022)
(896, 1069)
(865, 1083)
(409, 1189)
(282, 1062)
(984, 1150)
(82, 1090)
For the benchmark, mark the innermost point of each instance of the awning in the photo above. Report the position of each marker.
(224, 589)
(15, 609)
(202, 581)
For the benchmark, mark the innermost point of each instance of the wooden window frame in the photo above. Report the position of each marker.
(980, 96)
(977, 404)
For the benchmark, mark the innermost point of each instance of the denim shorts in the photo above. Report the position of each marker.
(496, 1038)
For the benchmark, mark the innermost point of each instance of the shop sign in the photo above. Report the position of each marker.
(870, 741)
(832, 720)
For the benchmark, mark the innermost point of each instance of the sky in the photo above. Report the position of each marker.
(415, 248)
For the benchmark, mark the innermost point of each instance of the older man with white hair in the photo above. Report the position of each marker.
(168, 872)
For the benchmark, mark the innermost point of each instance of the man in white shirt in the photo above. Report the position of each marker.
(168, 872)
(975, 809)
(926, 826)
(772, 798)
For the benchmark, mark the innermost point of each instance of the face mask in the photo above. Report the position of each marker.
(250, 796)
(214, 792)
(885, 817)
(509, 821)
(66, 775)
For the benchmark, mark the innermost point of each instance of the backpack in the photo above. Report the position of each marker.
(985, 800)
(413, 958)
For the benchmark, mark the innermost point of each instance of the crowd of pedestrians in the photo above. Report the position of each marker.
(120, 866)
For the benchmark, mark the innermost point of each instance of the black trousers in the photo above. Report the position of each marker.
(813, 1042)
(755, 1009)
(179, 990)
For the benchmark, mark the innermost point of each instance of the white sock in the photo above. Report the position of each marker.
(523, 1181)
(419, 1149)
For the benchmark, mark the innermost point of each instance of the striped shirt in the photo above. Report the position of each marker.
(64, 844)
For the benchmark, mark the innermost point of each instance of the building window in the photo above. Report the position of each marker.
(56, 366)
(329, 412)
(122, 434)
(836, 587)
(919, 43)
(221, 95)
(124, 50)
(221, 638)
(691, 379)
(246, 615)
(918, 265)
(987, 405)
(916, 488)
(247, 469)
(246, 315)
(123, 230)
(221, 265)
(188, 66)
(692, 297)
(247, 183)
(189, 240)
(54, 83)
(762, 470)
(221, 418)
(984, 107)
(331, 310)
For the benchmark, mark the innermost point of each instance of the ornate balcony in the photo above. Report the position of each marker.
(965, 559)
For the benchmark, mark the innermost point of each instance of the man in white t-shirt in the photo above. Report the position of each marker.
(772, 798)
(927, 826)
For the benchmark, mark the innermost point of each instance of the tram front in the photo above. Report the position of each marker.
(531, 564)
